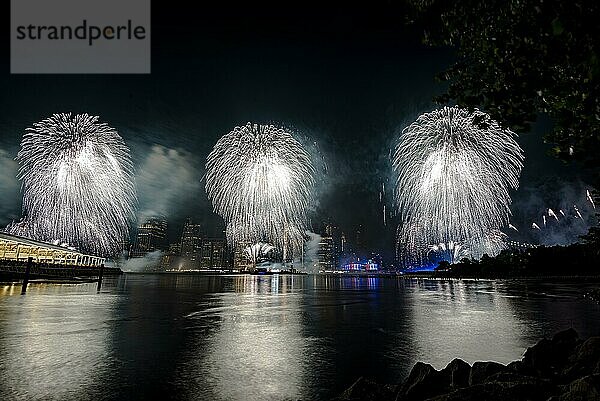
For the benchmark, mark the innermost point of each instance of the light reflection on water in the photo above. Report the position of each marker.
(255, 341)
(270, 337)
(50, 335)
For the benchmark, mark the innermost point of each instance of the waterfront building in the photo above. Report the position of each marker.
(14, 248)
(151, 236)
(358, 246)
(124, 248)
(326, 253)
(191, 245)
(240, 259)
(214, 254)
(169, 258)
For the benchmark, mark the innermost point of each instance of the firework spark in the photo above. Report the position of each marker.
(260, 180)
(77, 180)
(451, 251)
(258, 251)
(589, 198)
(552, 214)
(535, 226)
(455, 170)
(512, 227)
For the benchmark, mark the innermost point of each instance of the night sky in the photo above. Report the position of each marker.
(347, 78)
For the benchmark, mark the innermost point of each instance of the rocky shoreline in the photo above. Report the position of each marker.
(564, 368)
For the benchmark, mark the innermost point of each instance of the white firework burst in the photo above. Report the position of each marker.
(261, 180)
(258, 251)
(455, 169)
(77, 183)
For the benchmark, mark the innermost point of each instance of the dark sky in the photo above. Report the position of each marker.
(346, 77)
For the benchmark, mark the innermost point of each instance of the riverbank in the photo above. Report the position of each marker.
(578, 259)
(215, 273)
(15, 272)
(563, 368)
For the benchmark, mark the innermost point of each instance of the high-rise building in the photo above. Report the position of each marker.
(240, 260)
(358, 240)
(125, 248)
(330, 247)
(214, 254)
(169, 257)
(191, 244)
(151, 236)
(326, 253)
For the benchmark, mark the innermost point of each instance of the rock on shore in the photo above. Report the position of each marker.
(564, 368)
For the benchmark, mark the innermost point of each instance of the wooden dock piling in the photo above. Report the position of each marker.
(27, 273)
(100, 274)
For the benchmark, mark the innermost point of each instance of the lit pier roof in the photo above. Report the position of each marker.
(16, 248)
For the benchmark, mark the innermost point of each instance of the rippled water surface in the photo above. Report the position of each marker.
(273, 337)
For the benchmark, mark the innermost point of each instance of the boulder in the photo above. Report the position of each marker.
(366, 390)
(561, 369)
(520, 368)
(583, 389)
(494, 392)
(503, 386)
(473, 393)
(585, 359)
(548, 358)
(423, 382)
(457, 373)
(480, 371)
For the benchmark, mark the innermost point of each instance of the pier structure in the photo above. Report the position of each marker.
(14, 248)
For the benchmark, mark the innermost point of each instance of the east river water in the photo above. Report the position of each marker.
(195, 337)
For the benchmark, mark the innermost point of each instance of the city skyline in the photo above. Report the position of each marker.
(194, 249)
(351, 94)
(255, 201)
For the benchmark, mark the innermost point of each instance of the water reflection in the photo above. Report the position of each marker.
(54, 341)
(271, 337)
(332, 282)
(470, 320)
(253, 347)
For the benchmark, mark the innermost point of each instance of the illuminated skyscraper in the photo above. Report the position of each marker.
(326, 253)
(214, 254)
(240, 260)
(358, 240)
(168, 258)
(191, 244)
(151, 236)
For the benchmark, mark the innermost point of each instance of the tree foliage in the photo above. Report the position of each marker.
(520, 58)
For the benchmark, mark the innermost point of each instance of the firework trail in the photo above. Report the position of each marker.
(260, 180)
(455, 170)
(589, 198)
(552, 214)
(257, 251)
(452, 251)
(544, 220)
(561, 212)
(381, 193)
(535, 226)
(513, 227)
(577, 212)
(77, 182)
